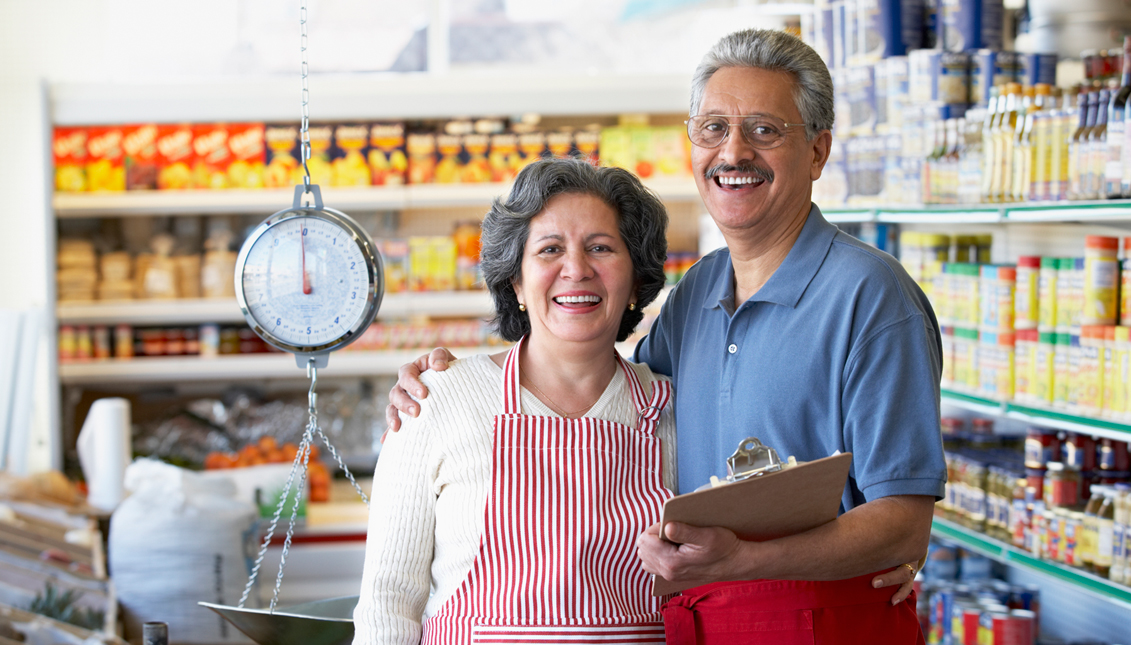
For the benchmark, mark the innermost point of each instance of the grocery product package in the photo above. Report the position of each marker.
(178, 539)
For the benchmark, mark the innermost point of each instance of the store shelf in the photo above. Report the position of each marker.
(1039, 416)
(941, 215)
(1098, 211)
(265, 202)
(175, 369)
(1011, 555)
(361, 97)
(453, 304)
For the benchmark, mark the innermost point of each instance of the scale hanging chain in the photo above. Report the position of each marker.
(305, 127)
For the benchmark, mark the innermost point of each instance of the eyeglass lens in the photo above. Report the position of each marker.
(760, 131)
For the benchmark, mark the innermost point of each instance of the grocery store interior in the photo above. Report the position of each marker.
(987, 146)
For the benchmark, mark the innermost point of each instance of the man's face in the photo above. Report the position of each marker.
(741, 185)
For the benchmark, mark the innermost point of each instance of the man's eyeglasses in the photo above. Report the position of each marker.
(761, 131)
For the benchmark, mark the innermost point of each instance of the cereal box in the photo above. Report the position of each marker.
(348, 164)
(586, 145)
(396, 263)
(388, 163)
(560, 143)
(105, 169)
(139, 142)
(449, 164)
(616, 148)
(476, 169)
(531, 147)
(68, 147)
(246, 145)
(503, 158)
(669, 152)
(284, 161)
(174, 156)
(321, 140)
(211, 156)
(421, 148)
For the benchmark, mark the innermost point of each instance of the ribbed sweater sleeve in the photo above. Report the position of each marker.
(430, 490)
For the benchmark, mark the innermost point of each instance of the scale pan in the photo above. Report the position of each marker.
(323, 622)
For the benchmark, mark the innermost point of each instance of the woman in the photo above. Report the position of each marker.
(509, 508)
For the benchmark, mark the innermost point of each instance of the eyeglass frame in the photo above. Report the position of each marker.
(744, 138)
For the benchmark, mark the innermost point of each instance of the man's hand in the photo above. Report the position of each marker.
(903, 575)
(700, 555)
(408, 380)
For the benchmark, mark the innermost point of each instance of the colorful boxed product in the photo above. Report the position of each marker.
(105, 161)
(174, 156)
(531, 147)
(68, 147)
(449, 165)
(559, 143)
(248, 155)
(587, 144)
(504, 158)
(972, 24)
(139, 143)
(887, 28)
(387, 161)
(348, 163)
(616, 148)
(284, 159)
(421, 147)
(321, 140)
(211, 156)
(475, 167)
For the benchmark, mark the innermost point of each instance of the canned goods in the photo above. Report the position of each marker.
(964, 622)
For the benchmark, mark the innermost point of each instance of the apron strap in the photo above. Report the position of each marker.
(649, 410)
(512, 391)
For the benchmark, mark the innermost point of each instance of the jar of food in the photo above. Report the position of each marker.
(1079, 451)
(1054, 533)
(1121, 533)
(1072, 528)
(1113, 455)
(1041, 447)
(1062, 486)
(1090, 529)
(1019, 519)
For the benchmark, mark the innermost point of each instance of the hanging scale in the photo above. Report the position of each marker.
(308, 280)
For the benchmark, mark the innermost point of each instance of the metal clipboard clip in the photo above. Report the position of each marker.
(752, 458)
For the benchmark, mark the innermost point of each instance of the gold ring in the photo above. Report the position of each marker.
(909, 568)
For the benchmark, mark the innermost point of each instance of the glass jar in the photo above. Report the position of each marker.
(1062, 486)
(1105, 532)
(1090, 529)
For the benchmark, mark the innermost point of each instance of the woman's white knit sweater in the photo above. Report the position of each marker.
(430, 491)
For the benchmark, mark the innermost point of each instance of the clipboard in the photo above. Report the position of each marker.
(763, 507)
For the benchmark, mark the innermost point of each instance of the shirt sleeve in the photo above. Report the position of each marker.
(396, 578)
(655, 349)
(891, 412)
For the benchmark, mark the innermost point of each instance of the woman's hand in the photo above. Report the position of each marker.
(408, 380)
(903, 575)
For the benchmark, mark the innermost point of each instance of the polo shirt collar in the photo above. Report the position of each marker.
(789, 282)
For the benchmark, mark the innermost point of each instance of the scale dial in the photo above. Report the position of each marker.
(309, 280)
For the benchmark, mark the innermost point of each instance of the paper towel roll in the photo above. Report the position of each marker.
(104, 451)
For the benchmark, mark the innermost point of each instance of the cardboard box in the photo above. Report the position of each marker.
(449, 165)
(105, 161)
(504, 158)
(388, 163)
(248, 155)
(283, 157)
(68, 148)
(421, 147)
(139, 143)
(211, 156)
(321, 140)
(174, 156)
(349, 166)
(476, 169)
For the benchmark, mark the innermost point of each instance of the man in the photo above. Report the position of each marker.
(805, 338)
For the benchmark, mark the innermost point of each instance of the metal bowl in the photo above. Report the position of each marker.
(323, 622)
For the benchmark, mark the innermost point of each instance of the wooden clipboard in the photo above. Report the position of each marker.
(764, 507)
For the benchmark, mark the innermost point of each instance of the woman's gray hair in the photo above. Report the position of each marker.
(775, 51)
(641, 218)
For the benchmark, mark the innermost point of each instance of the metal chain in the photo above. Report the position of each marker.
(305, 129)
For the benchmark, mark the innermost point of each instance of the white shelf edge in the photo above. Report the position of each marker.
(949, 217)
(448, 304)
(240, 367)
(999, 410)
(1063, 214)
(267, 201)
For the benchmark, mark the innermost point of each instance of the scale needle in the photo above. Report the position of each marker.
(305, 276)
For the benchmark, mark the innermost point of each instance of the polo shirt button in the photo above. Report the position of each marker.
(733, 348)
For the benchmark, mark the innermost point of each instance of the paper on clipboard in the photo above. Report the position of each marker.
(763, 508)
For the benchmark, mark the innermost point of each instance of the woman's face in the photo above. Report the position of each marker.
(577, 277)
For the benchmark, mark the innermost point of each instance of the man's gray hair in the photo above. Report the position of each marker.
(641, 219)
(776, 51)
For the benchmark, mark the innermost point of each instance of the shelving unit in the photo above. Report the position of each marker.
(1055, 212)
(1039, 416)
(1094, 585)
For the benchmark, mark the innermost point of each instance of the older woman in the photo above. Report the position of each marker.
(508, 510)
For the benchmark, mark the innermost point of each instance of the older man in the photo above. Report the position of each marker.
(806, 338)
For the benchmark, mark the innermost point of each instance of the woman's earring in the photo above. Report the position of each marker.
(521, 307)
(632, 306)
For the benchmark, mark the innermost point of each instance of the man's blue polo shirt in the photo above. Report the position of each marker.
(839, 350)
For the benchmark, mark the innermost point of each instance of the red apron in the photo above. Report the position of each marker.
(791, 612)
(557, 559)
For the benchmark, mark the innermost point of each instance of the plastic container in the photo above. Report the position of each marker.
(1060, 378)
(1044, 385)
(1101, 280)
(996, 296)
(1024, 358)
(1105, 532)
(1121, 527)
(1047, 283)
(1062, 486)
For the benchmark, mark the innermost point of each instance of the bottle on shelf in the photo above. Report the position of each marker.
(1063, 122)
(1097, 148)
(1032, 102)
(1005, 132)
(1117, 156)
(988, 143)
(1086, 112)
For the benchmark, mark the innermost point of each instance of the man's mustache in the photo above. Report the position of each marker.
(764, 174)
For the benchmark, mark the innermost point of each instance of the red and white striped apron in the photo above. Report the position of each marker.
(791, 612)
(557, 559)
